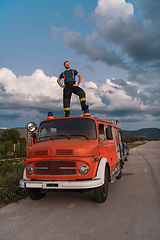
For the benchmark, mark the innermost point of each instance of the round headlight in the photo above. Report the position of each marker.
(29, 170)
(83, 169)
(31, 127)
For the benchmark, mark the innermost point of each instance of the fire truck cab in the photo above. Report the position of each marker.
(80, 153)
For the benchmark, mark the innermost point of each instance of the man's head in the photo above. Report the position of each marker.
(67, 65)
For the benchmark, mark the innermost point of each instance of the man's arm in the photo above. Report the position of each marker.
(80, 79)
(59, 82)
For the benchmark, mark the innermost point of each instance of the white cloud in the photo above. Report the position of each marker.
(29, 90)
(93, 38)
(114, 9)
(56, 32)
(91, 85)
(121, 39)
(41, 93)
(117, 98)
(79, 11)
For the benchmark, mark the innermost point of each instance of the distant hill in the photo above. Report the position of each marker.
(146, 133)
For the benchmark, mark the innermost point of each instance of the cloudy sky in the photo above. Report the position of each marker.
(113, 44)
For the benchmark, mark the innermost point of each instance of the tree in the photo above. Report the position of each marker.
(10, 135)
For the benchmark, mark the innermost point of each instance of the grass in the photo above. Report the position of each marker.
(10, 174)
(136, 144)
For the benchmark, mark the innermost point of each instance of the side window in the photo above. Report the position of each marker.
(102, 132)
(109, 134)
(43, 132)
(53, 132)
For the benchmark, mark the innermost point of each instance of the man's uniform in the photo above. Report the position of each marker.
(69, 80)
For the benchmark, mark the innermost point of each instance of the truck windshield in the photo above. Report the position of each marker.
(67, 129)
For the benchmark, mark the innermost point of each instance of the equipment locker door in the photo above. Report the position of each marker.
(107, 144)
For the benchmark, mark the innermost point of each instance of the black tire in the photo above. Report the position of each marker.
(35, 193)
(101, 193)
(119, 175)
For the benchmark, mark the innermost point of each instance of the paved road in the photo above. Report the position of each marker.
(132, 210)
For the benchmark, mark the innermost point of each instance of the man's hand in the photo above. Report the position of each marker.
(58, 81)
(79, 82)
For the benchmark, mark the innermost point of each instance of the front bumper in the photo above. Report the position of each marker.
(83, 184)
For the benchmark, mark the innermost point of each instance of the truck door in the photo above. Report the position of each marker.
(107, 145)
(111, 145)
(102, 139)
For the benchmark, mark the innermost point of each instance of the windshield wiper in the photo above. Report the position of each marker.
(53, 138)
(45, 138)
(80, 135)
(62, 135)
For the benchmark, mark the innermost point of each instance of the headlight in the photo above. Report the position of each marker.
(31, 127)
(83, 169)
(29, 170)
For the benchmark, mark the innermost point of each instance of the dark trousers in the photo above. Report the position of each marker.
(67, 93)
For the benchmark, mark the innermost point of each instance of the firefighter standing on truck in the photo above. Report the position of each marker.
(70, 87)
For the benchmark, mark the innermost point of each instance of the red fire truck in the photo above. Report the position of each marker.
(81, 153)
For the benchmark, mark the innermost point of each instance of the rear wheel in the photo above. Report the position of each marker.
(120, 171)
(100, 193)
(35, 193)
(119, 175)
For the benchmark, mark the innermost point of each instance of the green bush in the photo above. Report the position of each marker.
(10, 174)
(7, 149)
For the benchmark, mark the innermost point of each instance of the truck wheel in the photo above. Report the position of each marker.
(100, 193)
(35, 193)
(119, 175)
(120, 168)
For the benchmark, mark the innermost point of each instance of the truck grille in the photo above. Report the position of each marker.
(55, 168)
(64, 152)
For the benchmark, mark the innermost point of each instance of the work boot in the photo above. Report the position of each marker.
(84, 106)
(66, 113)
(86, 110)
